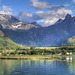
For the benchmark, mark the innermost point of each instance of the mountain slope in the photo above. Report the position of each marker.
(7, 20)
(6, 42)
(10, 22)
(70, 41)
(60, 20)
(34, 23)
(54, 35)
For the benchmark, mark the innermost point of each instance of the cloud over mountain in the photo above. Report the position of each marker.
(52, 16)
(6, 10)
(46, 18)
(46, 14)
(25, 16)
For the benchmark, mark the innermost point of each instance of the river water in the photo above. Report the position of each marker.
(39, 67)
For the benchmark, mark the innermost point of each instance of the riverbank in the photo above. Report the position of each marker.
(25, 57)
(36, 57)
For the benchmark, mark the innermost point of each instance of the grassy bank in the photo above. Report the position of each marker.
(30, 57)
(36, 57)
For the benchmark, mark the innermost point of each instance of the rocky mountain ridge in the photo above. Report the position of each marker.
(50, 36)
(10, 22)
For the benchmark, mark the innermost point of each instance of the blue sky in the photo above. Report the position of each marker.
(45, 12)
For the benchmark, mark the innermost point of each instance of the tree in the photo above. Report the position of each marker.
(32, 48)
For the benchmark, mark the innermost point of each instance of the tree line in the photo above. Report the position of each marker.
(35, 51)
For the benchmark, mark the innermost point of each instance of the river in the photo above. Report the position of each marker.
(39, 67)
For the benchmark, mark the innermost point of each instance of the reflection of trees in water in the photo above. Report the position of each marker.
(40, 67)
(71, 65)
(6, 66)
(10, 67)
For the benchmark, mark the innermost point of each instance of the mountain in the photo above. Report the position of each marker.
(33, 35)
(60, 20)
(6, 42)
(54, 35)
(10, 22)
(34, 23)
(22, 26)
(7, 20)
(70, 41)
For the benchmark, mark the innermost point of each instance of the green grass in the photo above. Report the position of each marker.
(6, 42)
(70, 41)
(31, 57)
(47, 48)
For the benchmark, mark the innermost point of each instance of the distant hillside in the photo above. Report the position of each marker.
(70, 41)
(6, 42)
(72, 46)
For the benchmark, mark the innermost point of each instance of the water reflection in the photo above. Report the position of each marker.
(41, 67)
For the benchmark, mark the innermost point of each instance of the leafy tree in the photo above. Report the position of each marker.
(32, 48)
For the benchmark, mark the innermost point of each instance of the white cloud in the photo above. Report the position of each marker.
(6, 10)
(25, 13)
(2, 12)
(49, 18)
(44, 5)
(48, 22)
(40, 5)
(73, 1)
(66, 4)
(9, 13)
(25, 17)
(34, 0)
(40, 12)
(52, 16)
